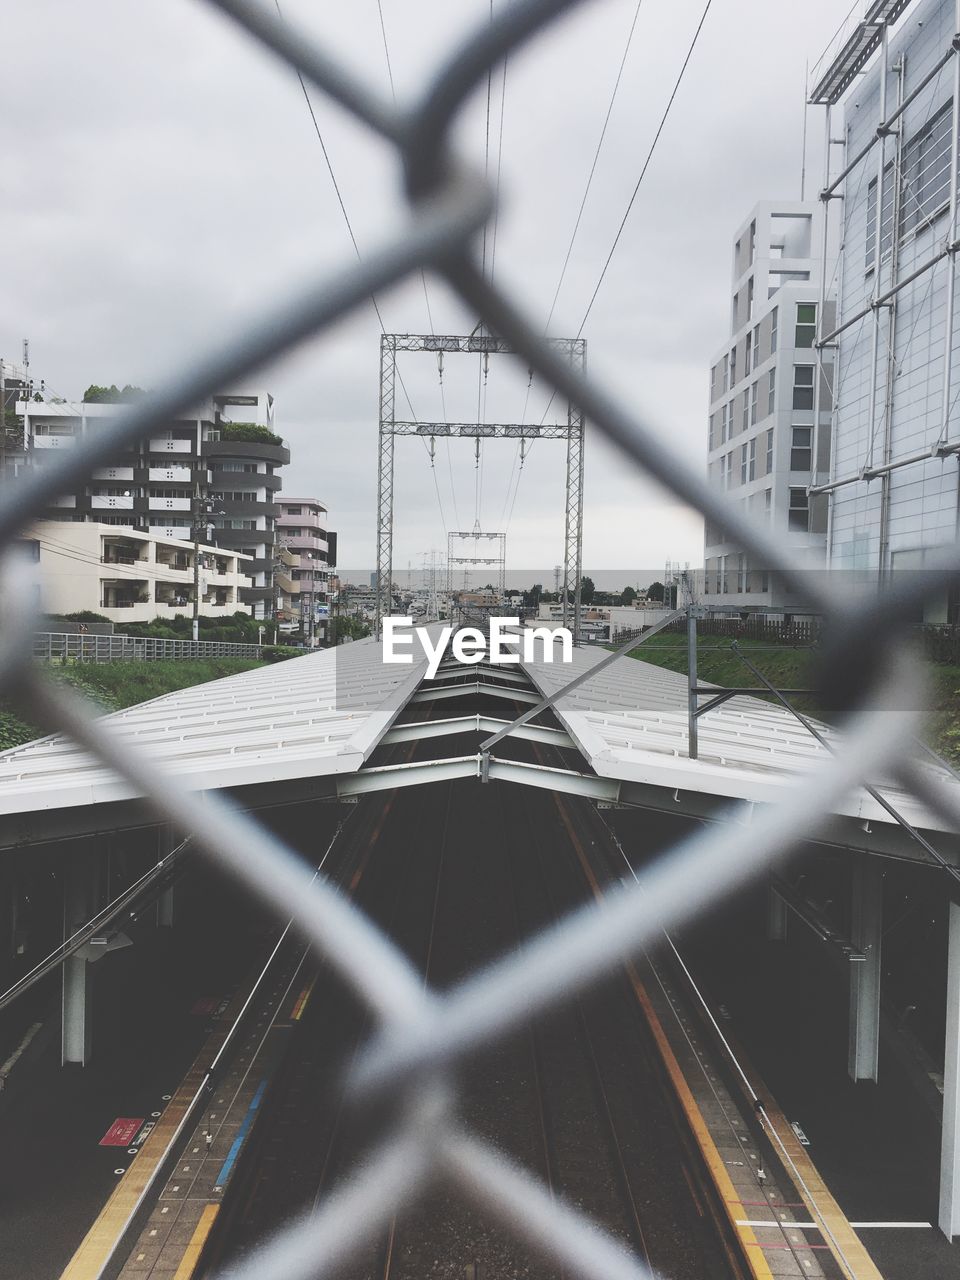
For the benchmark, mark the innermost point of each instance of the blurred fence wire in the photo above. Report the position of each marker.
(421, 1036)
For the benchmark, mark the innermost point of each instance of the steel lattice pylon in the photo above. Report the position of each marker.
(575, 350)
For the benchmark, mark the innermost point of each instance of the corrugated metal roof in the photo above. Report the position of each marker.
(320, 714)
(630, 723)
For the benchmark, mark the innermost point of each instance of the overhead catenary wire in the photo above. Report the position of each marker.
(646, 163)
(593, 166)
(349, 225)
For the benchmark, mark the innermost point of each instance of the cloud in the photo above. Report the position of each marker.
(164, 184)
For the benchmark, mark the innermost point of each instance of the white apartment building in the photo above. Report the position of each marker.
(218, 468)
(130, 575)
(763, 393)
(893, 477)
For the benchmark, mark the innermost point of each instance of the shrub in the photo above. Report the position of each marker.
(279, 652)
(248, 432)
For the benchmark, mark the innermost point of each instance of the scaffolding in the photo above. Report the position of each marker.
(574, 351)
(880, 161)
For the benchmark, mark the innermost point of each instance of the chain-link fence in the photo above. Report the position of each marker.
(420, 1036)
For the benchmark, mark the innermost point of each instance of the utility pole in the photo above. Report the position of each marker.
(201, 507)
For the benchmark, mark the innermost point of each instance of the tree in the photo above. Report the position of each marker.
(628, 596)
(531, 598)
(113, 394)
(655, 591)
(587, 590)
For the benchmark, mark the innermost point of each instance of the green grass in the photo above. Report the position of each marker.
(790, 668)
(114, 685)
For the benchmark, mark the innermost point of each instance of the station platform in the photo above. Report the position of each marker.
(783, 1009)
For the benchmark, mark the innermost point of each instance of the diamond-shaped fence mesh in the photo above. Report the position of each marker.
(420, 1036)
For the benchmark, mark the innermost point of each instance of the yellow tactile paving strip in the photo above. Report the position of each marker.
(730, 1154)
(819, 1201)
(112, 1220)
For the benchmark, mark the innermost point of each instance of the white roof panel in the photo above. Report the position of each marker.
(630, 723)
(317, 715)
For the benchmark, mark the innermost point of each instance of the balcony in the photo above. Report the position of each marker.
(124, 594)
(66, 500)
(99, 503)
(53, 442)
(171, 446)
(112, 473)
(170, 504)
(172, 475)
(123, 551)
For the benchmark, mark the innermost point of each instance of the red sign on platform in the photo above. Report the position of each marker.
(121, 1133)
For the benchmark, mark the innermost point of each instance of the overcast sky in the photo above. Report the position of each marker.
(162, 182)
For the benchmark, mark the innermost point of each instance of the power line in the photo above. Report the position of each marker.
(646, 163)
(596, 157)
(349, 225)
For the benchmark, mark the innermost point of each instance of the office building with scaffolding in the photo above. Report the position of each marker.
(891, 184)
(764, 384)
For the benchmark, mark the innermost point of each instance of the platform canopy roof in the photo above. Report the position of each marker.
(317, 715)
(308, 727)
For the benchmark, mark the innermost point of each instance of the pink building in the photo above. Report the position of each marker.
(302, 577)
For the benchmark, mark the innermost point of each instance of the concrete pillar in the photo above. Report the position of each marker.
(864, 1043)
(776, 916)
(79, 899)
(949, 1218)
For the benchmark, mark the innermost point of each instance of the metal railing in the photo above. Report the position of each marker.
(420, 1036)
(93, 648)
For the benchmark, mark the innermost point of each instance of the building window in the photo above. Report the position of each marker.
(750, 298)
(733, 367)
(767, 505)
(754, 402)
(726, 373)
(806, 324)
(798, 515)
(742, 573)
(752, 460)
(726, 415)
(803, 386)
(748, 354)
(925, 188)
(769, 452)
(800, 449)
(293, 511)
(772, 392)
(724, 571)
(886, 232)
(753, 242)
(746, 409)
(726, 470)
(756, 345)
(743, 464)
(773, 329)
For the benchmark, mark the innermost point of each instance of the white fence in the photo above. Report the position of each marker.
(92, 648)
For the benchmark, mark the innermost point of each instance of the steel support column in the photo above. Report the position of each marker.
(949, 1216)
(573, 518)
(867, 920)
(79, 904)
(693, 745)
(388, 380)
(776, 916)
